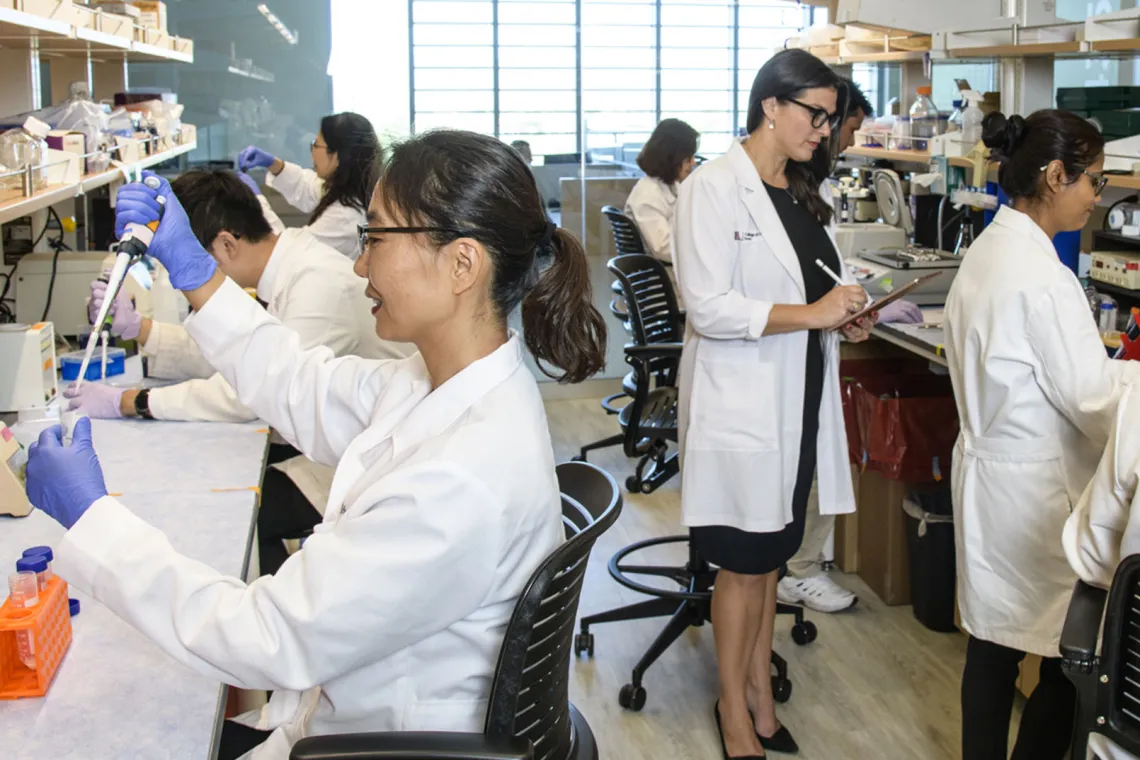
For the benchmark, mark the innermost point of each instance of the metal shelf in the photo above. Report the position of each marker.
(17, 207)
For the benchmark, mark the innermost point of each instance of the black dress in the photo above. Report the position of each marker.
(748, 553)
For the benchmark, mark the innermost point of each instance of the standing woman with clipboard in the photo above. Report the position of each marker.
(1036, 395)
(759, 403)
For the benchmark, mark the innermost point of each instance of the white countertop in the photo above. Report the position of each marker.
(117, 695)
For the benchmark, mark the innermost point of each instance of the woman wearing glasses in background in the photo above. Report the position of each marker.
(1036, 397)
(335, 191)
(759, 382)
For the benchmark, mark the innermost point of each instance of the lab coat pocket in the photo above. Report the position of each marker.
(733, 404)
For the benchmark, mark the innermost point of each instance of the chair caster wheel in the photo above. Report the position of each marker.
(781, 689)
(804, 633)
(632, 697)
(632, 484)
(584, 644)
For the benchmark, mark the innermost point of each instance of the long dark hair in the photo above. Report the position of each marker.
(1023, 146)
(474, 186)
(351, 137)
(671, 143)
(785, 76)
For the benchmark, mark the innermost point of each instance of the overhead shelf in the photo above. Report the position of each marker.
(14, 208)
(1026, 50)
(907, 156)
(1126, 181)
(54, 37)
(894, 56)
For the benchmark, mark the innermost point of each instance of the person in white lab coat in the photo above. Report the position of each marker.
(305, 284)
(336, 190)
(1104, 528)
(1036, 393)
(759, 380)
(445, 500)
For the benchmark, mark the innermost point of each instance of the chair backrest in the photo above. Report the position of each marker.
(1118, 698)
(530, 695)
(654, 316)
(627, 238)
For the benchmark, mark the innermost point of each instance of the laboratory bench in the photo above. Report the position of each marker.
(116, 693)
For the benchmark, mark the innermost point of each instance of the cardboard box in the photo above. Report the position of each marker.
(69, 141)
(847, 533)
(883, 561)
(121, 9)
(151, 14)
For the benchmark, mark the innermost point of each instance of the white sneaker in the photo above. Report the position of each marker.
(817, 592)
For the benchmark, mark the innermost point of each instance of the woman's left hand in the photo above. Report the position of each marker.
(859, 330)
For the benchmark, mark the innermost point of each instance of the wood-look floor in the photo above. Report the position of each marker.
(875, 685)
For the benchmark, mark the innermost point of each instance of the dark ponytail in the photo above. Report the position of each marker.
(560, 324)
(469, 185)
(351, 137)
(1023, 146)
(784, 77)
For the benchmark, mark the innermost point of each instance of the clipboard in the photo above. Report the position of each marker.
(891, 297)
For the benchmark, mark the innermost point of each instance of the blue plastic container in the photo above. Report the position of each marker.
(69, 364)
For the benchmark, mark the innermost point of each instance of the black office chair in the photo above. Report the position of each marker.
(650, 424)
(1108, 686)
(649, 421)
(529, 716)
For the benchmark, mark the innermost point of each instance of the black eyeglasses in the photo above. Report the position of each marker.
(364, 232)
(819, 116)
(314, 145)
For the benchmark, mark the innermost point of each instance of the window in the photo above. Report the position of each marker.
(600, 73)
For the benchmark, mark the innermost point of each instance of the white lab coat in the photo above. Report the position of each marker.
(303, 189)
(1036, 394)
(650, 205)
(313, 291)
(391, 616)
(741, 392)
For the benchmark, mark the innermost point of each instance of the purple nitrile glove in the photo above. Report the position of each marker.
(125, 319)
(249, 182)
(254, 157)
(174, 244)
(901, 311)
(95, 400)
(64, 481)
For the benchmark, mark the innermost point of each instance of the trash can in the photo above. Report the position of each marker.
(930, 543)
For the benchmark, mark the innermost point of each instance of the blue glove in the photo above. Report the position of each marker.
(901, 311)
(64, 481)
(174, 244)
(254, 157)
(249, 182)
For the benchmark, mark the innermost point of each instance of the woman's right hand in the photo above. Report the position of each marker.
(840, 303)
(254, 157)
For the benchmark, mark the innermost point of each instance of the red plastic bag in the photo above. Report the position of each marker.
(851, 372)
(907, 425)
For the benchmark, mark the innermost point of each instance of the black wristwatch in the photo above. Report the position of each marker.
(142, 404)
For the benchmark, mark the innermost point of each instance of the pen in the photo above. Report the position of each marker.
(819, 263)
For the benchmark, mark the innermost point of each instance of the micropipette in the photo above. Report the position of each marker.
(104, 337)
(132, 245)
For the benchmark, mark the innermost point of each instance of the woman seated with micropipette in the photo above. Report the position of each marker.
(445, 500)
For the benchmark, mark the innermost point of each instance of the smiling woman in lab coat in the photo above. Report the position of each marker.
(445, 499)
(759, 379)
(335, 190)
(1036, 394)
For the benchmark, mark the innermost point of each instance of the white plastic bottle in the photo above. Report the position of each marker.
(972, 118)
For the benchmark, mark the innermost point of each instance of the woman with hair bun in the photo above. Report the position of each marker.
(1036, 395)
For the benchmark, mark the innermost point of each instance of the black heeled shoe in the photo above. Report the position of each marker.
(720, 732)
(781, 741)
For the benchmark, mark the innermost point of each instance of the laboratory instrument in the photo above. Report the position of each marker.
(1118, 268)
(132, 246)
(23, 594)
(27, 366)
(13, 464)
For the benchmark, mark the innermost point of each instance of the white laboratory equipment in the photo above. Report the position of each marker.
(27, 366)
(13, 462)
(1119, 268)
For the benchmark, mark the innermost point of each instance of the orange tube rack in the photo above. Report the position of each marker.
(50, 624)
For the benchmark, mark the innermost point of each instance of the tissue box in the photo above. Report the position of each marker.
(68, 141)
